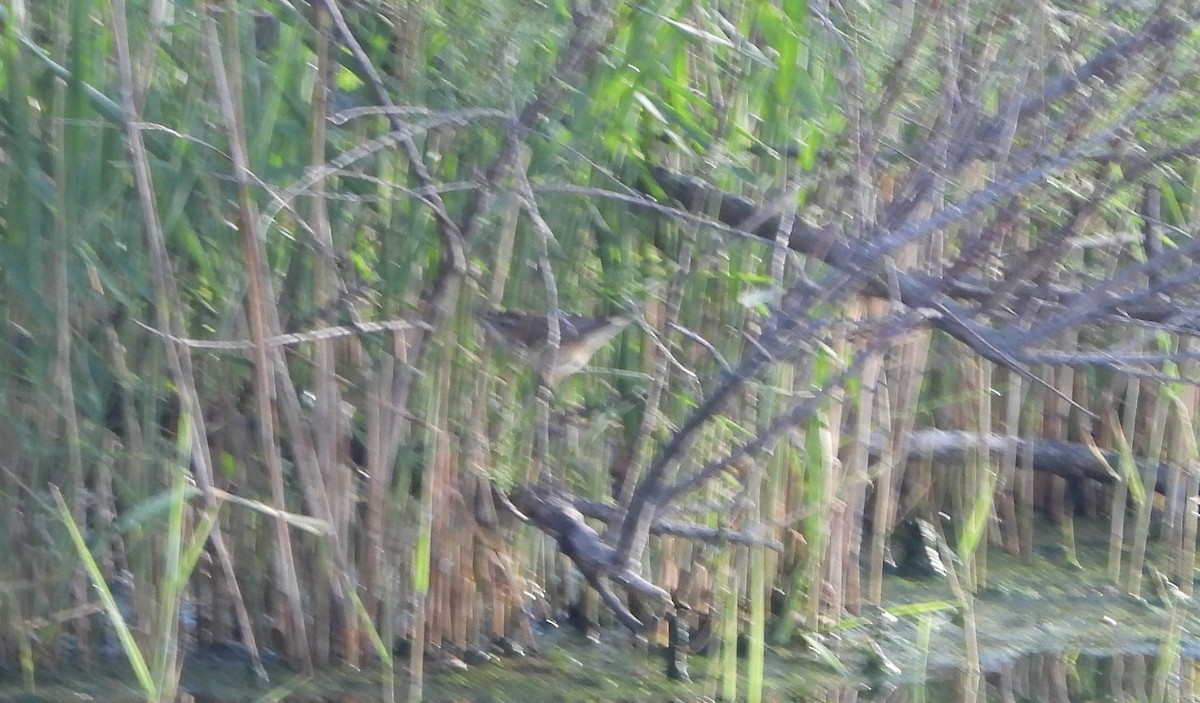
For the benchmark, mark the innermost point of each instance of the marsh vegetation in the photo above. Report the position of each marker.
(783, 297)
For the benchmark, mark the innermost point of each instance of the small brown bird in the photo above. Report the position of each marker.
(527, 335)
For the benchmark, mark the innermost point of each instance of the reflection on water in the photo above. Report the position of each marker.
(1058, 677)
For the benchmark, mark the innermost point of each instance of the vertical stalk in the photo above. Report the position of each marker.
(1185, 565)
(858, 471)
(971, 676)
(821, 483)
(729, 628)
(1126, 428)
(884, 497)
(422, 553)
(756, 629)
(975, 525)
(1141, 533)
(67, 216)
(908, 376)
(434, 522)
(331, 423)
(169, 312)
(256, 293)
(1008, 476)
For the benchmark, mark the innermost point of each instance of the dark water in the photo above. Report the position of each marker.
(1056, 677)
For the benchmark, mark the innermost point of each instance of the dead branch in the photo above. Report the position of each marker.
(610, 514)
(554, 514)
(1070, 460)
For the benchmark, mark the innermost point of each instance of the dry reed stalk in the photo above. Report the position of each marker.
(1025, 480)
(907, 374)
(480, 513)
(971, 673)
(728, 622)
(1185, 563)
(1187, 558)
(464, 586)
(885, 495)
(985, 481)
(773, 510)
(258, 291)
(499, 614)
(168, 308)
(1187, 680)
(373, 574)
(1006, 506)
(507, 218)
(430, 525)
(818, 541)
(1137, 669)
(960, 482)
(320, 612)
(1154, 453)
(496, 558)
(133, 448)
(327, 422)
(61, 373)
(1120, 429)
(443, 617)
(448, 514)
(1116, 678)
(541, 458)
(1179, 452)
(836, 547)
(268, 319)
(440, 606)
(858, 470)
(1169, 525)
(1056, 425)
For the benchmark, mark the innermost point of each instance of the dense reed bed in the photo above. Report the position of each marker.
(248, 398)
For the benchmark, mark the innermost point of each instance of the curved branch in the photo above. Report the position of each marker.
(554, 514)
